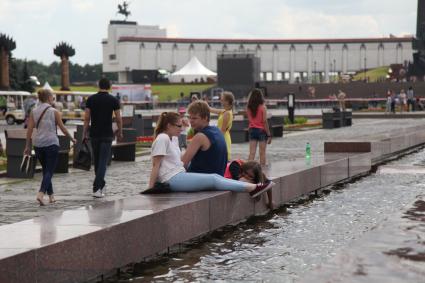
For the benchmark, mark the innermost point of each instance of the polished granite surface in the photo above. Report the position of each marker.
(151, 223)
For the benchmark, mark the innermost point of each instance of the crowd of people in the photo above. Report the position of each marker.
(205, 163)
(404, 101)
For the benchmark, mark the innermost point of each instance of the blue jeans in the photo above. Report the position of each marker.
(192, 182)
(48, 157)
(101, 153)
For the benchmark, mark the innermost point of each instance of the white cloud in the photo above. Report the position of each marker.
(38, 25)
(294, 23)
(83, 6)
(173, 31)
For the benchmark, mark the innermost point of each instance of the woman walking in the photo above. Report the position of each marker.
(44, 118)
(225, 118)
(167, 166)
(259, 131)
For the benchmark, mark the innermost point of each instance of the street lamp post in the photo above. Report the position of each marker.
(315, 72)
(365, 69)
(335, 74)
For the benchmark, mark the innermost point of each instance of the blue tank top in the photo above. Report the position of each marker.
(213, 160)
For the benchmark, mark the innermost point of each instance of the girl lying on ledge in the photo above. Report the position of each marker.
(168, 168)
(248, 171)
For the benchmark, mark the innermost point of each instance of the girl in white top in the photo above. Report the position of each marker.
(46, 143)
(167, 166)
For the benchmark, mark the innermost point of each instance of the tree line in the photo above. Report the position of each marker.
(20, 71)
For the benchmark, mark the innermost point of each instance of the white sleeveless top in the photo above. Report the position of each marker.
(45, 135)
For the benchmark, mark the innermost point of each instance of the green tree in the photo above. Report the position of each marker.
(13, 74)
(26, 84)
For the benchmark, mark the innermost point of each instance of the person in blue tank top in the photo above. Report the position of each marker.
(207, 152)
(168, 171)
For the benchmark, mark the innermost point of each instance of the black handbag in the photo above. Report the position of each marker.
(158, 188)
(83, 160)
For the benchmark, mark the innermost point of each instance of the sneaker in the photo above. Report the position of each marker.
(103, 192)
(261, 188)
(98, 194)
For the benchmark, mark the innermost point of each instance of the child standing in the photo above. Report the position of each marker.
(225, 118)
(259, 132)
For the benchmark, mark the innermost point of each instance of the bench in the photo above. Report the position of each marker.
(336, 119)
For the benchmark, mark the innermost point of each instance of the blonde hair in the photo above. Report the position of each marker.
(164, 119)
(43, 94)
(229, 97)
(201, 108)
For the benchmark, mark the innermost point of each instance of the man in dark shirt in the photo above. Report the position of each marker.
(99, 110)
(207, 152)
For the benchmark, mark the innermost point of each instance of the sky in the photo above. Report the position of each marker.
(38, 26)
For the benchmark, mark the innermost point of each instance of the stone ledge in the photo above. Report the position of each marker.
(79, 244)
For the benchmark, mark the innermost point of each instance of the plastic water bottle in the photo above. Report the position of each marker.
(308, 151)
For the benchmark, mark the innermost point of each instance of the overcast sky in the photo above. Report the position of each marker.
(38, 25)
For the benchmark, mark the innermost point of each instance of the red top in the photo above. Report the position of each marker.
(229, 173)
(257, 121)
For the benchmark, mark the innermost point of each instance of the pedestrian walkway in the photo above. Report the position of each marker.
(17, 197)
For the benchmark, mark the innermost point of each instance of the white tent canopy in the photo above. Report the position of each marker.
(191, 72)
(47, 86)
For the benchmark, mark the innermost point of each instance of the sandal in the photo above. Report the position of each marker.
(52, 199)
(40, 201)
(39, 198)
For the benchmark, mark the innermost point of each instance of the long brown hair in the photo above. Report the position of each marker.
(256, 169)
(164, 119)
(255, 99)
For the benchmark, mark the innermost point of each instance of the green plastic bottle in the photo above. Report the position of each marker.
(308, 150)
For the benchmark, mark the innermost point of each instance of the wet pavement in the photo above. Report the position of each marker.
(291, 242)
(129, 178)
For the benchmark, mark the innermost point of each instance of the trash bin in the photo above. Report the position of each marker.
(15, 145)
(125, 150)
(331, 119)
(239, 130)
(347, 117)
(142, 125)
(276, 125)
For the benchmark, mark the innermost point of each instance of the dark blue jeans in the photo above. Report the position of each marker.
(101, 153)
(48, 157)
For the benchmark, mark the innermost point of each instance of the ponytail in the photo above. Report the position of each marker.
(164, 119)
